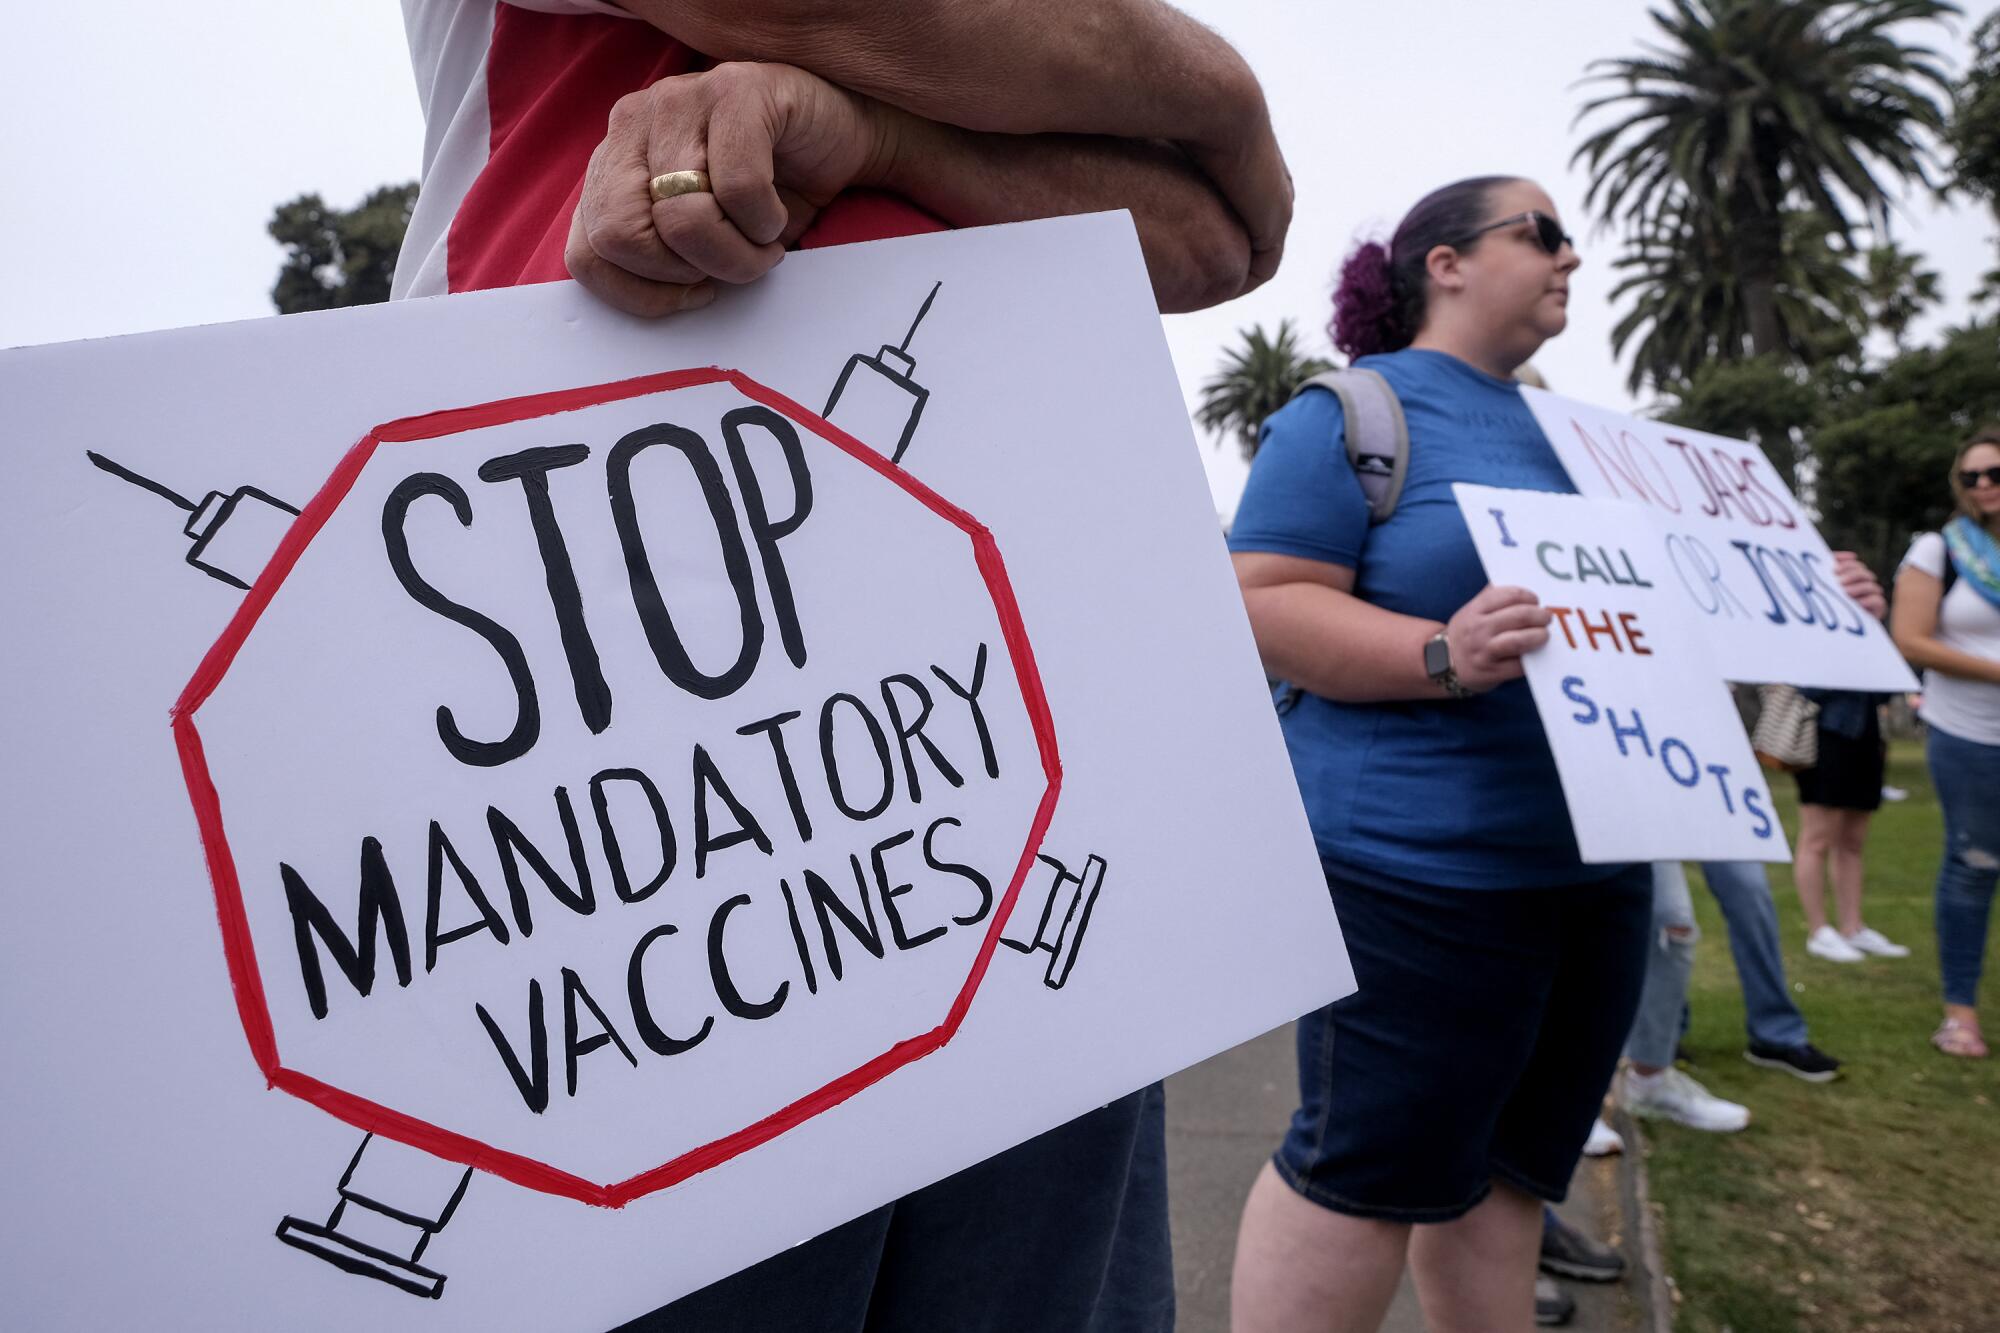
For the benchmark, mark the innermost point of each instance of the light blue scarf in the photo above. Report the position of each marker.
(1976, 555)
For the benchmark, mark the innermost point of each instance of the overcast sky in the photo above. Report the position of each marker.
(144, 145)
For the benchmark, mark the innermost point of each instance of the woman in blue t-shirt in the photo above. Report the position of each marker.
(1498, 973)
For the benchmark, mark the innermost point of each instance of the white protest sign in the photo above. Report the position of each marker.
(1737, 544)
(1649, 746)
(570, 752)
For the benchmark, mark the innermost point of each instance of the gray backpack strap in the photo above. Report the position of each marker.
(1378, 438)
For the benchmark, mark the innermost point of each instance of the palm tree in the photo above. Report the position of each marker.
(1975, 136)
(1975, 119)
(1256, 380)
(1898, 290)
(1754, 104)
(1687, 303)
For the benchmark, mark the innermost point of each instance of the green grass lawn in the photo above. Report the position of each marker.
(1869, 1203)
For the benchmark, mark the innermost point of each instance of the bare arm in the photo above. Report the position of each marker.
(1139, 69)
(1131, 69)
(1314, 632)
(778, 143)
(1913, 624)
(1196, 254)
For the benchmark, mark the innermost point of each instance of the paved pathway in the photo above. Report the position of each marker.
(1224, 1117)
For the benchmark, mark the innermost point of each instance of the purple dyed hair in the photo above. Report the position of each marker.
(1383, 291)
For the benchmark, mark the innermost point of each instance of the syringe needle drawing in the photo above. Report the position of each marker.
(883, 402)
(234, 535)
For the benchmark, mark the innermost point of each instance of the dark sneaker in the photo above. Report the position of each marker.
(1554, 1307)
(1567, 1252)
(1804, 1060)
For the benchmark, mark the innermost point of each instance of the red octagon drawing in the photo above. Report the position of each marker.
(238, 946)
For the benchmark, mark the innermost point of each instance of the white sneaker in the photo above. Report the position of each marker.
(1870, 940)
(1603, 1140)
(1672, 1095)
(1894, 793)
(1830, 944)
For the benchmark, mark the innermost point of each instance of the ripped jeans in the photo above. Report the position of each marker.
(1669, 963)
(1743, 891)
(1967, 777)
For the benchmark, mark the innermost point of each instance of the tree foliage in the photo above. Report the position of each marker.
(1738, 157)
(1975, 135)
(1687, 306)
(1885, 438)
(1256, 379)
(336, 258)
(1975, 121)
(1898, 288)
(1755, 108)
(1880, 438)
(1765, 399)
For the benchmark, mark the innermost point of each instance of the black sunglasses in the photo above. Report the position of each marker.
(1549, 234)
(1969, 477)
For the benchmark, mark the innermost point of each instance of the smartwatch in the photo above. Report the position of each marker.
(1437, 665)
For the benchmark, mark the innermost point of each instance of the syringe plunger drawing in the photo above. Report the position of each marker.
(368, 1236)
(234, 535)
(876, 400)
(1072, 898)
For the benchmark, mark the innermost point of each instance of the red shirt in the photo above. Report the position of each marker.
(544, 84)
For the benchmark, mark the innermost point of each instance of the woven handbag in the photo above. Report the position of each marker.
(1787, 732)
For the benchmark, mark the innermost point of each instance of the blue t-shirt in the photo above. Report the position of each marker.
(1458, 793)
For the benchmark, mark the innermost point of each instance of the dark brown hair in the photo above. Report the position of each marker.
(1380, 302)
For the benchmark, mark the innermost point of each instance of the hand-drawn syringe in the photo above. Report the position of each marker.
(881, 403)
(1072, 898)
(234, 535)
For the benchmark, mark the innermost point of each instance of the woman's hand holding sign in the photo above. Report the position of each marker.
(1860, 584)
(1313, 631)
(1491, 633)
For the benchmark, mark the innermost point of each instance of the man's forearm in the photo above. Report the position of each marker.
(1196, 250)
(1137, 69)
(1126, 69)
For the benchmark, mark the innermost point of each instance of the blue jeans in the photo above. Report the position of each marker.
(1967, 777)
(1744, 894)
(1743, 891)
(1669, 962)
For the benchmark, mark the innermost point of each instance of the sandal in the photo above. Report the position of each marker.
(1956, 1037)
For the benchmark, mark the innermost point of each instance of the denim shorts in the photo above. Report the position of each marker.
(1485, 1029)
(1066, 1233)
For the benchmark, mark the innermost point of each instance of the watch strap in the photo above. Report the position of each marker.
(1447, 675)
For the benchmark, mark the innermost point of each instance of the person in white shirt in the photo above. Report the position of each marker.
(1947, 621)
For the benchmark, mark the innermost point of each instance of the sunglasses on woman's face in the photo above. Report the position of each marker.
(1549, 234)
(1972, 476)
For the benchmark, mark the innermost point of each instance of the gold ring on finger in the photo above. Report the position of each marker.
(676, 183)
